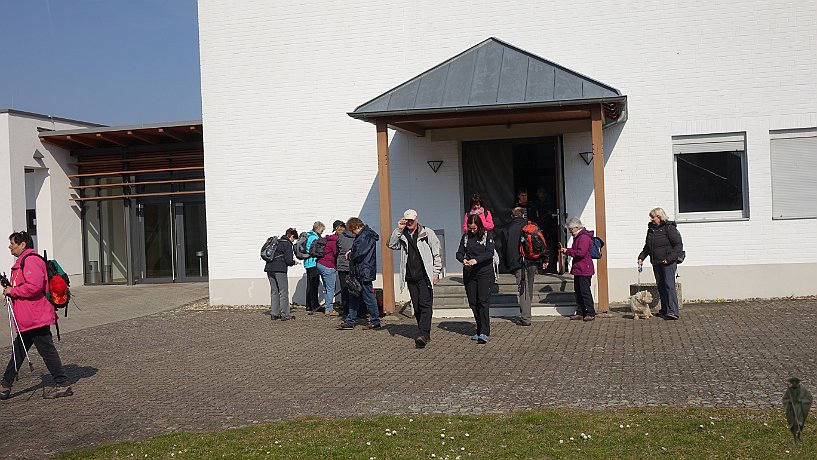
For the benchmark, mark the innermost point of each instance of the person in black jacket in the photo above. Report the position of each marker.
(363, 266)
(476, 252)
(523, 269)
(276, 270)
(663, 245)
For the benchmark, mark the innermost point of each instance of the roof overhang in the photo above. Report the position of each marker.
(417, 122)
(126, 136)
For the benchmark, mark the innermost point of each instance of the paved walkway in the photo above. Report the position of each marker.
(211, 370)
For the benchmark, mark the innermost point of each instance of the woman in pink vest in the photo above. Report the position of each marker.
(477, 209)
(34, 316)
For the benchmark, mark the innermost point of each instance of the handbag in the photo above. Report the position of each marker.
(353, 284)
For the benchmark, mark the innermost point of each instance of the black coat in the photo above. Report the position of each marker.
(663, 243)
(364, 255)
(483, 254)
(282, 259)
(513, 259)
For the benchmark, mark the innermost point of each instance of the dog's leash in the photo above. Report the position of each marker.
(640, 268)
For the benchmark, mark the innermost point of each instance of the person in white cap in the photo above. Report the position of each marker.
(420, 268)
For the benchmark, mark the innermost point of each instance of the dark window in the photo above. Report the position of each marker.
(31, 222)
(711, 181)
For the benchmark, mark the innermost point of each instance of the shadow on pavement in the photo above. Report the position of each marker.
(459, 327)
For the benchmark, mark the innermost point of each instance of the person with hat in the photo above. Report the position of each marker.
(420, 267)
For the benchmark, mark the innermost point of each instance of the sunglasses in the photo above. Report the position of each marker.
(408, 221)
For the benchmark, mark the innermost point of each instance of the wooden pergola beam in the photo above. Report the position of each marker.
(596, 124)
(110, 139)
(384, 189)
(83, 142)
(141, 137)
(172, 135)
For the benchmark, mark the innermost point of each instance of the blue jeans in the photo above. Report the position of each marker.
(367, 297)
(665, 282)
(328, 277)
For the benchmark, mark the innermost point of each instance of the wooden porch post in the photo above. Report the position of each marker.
(385, 215)
(601, 211)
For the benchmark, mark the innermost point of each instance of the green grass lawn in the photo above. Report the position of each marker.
(646, 433)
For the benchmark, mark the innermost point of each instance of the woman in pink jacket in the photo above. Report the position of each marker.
(484, 214)
(582, 269)
(34, 315)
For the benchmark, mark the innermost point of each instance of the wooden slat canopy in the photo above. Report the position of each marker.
(136, 158)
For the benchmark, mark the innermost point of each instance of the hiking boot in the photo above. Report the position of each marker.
(589, 318)
(370, 327)
(344, 327)
(670, 316)
(474, 337)
(420, 341)
(287, 318)
(57, 392)
(275, 317)
(521, 322)
(482, 339)
(5, 390)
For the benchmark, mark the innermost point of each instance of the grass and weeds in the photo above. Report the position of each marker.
(646, 433)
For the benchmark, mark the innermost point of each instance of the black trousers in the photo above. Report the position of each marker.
(478, 290)
(40, 338)
(584, 297)
(344, 293)
(422, 299)
(312, 284)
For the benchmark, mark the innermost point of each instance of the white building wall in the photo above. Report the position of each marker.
(59, 229)
(279, 77)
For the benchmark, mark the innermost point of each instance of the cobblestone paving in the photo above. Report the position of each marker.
(210, 370)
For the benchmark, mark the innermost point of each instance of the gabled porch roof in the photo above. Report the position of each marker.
(491, 83)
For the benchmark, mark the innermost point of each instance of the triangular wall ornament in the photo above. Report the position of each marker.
(435, 165)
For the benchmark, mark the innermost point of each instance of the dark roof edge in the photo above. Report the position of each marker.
(477, 46)
(107, 129)
(370, 116)
(47, 117)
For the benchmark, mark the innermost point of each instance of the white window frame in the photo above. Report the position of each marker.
(787, 134)
(712, 143)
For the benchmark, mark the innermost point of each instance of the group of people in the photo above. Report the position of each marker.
(349, 253)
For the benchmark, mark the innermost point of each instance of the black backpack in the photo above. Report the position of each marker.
(300, 247)
(318, 248)
(268, 249)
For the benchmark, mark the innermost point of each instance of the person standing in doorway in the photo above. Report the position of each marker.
(276, 270)
(582, 269)
(34, 316)
(311, 266)
(420, 268)
(344, 244)
(363, 267)
(523, 202)
(476, 253)
(664, 246)
(478, 209)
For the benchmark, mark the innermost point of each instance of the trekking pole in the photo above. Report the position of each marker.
(13, 320)
(14, 326)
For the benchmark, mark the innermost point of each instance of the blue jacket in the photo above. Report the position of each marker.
(364, 255)
(310, 262)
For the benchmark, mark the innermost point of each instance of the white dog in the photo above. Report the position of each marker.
(640, 304)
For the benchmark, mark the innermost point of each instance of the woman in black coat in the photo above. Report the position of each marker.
(277, 273)
(476, 252)
(664, 246)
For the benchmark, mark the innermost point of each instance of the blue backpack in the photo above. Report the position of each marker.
(595, 249)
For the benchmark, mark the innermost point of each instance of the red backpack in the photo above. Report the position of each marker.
(532, 244)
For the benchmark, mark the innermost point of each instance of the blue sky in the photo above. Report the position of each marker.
(113, 62)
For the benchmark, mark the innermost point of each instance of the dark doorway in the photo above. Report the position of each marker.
(497, 170)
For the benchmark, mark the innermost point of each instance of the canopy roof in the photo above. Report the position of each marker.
(494, 78)
(126, 136)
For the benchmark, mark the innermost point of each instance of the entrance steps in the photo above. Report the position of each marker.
(553, 296)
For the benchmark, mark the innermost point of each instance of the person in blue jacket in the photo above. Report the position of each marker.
(363, 267)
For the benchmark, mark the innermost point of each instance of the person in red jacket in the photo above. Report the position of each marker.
(34, 315)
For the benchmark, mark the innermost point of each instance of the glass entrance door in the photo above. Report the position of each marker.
(173, 236)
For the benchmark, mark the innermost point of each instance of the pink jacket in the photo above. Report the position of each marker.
(487, 220)
(330, 251)
(31, 308)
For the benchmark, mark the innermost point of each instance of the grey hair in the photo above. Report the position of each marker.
(574, 222)
(659, 213)
(318, 227)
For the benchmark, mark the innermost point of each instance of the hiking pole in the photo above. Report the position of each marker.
(14, 326)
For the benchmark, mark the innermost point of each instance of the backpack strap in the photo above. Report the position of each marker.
(23, 264)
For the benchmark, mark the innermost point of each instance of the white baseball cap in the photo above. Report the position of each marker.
(410, 214)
